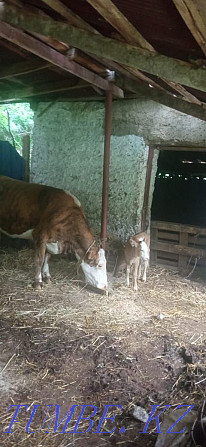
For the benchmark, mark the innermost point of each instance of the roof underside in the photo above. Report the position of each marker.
(172, 28)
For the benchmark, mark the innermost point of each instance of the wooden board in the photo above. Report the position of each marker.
(179, 246)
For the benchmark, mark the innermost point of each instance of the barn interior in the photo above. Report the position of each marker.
(118, 90)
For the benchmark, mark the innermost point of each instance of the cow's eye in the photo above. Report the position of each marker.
(100, 266)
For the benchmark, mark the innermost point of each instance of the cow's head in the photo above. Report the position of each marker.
(92, 255)
(95, 268)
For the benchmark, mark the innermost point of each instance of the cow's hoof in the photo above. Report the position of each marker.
(37, 285)
(47, 280)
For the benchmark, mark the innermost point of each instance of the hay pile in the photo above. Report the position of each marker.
(131, 347)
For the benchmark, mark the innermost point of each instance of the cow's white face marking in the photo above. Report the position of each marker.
(96, 276)
(26, 235)
(75, 199)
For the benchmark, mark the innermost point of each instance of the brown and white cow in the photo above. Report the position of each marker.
(56, 222)
(136, 253)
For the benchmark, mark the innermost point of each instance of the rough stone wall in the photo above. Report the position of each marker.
(157, 124)
(127, 183)
(68, 153)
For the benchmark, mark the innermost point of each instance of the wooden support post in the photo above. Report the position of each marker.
(26, 155)
(105, 186)
(147, 188)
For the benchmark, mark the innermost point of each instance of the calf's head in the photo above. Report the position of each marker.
(135, 241)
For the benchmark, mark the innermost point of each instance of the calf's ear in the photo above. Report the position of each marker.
(133, 243)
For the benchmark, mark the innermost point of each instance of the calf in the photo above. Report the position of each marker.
(137, 256)
(56, 222)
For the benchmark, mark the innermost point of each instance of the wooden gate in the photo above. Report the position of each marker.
(177, 246)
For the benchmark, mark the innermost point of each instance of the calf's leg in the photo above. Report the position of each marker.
(127, 274)
(145, 266)
(135, 272)
(140, 269)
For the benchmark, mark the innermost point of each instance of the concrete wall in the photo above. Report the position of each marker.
(157, 124)
(68, 153)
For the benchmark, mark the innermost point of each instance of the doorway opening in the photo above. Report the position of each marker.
(178, 226)
(180, 187)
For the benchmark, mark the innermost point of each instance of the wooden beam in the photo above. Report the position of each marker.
(129, 72)
(164, 98)
(21, 68)
(159, 65)
(62, 9)
(131, 35)
(86, 60)
(194, 15)
(68, 14)
(54, 43)
(179, 228)
(181, 148)
(59, 46)
(42, 88)
(180, 89)
(14, 49)
(43, 51)
(113, 15)
(178, 249)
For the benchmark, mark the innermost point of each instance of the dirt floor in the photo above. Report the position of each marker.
(69, 346)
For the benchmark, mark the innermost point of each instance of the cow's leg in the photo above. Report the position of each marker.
(45, 271)
(145, 266)
(135, 271)
(127, 274)
(40, 256)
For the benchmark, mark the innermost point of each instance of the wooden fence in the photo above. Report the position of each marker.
(177, 246)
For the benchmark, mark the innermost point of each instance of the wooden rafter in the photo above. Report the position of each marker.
(22, 68)
(49, 54)
(86, 61)
(59, 46)
(53, 43)
(194, 15)
(41, 89)
(164, 98)
(159, 65)
(113, 15)
(68, 14)
(187, 95)
(71, 18)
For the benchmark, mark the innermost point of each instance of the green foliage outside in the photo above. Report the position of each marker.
(16, 120)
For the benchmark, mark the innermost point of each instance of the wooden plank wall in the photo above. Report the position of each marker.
(178, 246)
